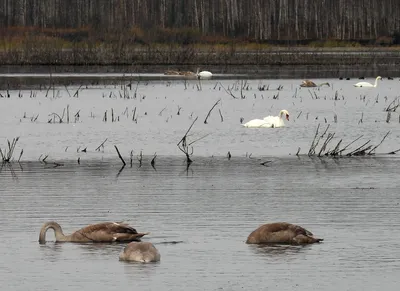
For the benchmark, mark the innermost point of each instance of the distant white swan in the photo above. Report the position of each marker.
(269, 121)
(366, 84)
(203, 74)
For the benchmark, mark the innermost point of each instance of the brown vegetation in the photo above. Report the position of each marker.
(103, 32)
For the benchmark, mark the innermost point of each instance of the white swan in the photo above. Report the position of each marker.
(203, 74)
(366, 84)
(269, 121)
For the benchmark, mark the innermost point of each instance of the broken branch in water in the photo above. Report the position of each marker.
(140, 158)
(119, 155)
(375, 147)
(394, 152)
(209, 112)
(60, 120)
(365, 149)
(328, 139)
(153, 161)
(101, 145)
(228, 91)
(316, 140)
(183, 145)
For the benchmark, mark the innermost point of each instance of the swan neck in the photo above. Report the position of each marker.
(57, 232)
(376, 82)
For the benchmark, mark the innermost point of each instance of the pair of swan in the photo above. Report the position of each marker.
(107, 232)
(199, 74)
(308, 83)
(366, 84)
(269, 121)
(271, 233)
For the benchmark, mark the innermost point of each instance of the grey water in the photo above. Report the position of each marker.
(199, 218)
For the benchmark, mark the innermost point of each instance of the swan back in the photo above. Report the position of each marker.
(203, 74)
(107, 232)
(308, 83)
(281, 233)
(144, 252)
(171, 72)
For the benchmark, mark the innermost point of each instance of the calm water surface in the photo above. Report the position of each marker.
(199, 218)
(209, 210)
(152, 116)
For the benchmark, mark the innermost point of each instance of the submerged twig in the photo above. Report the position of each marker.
(119, 155)
(209, 112)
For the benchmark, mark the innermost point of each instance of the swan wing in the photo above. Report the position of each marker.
(274, 121)
(308, 83)
(255, 123)
(298, 230)
(363, 84)
(108, 232)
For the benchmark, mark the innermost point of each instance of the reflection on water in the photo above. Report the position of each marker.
(200, 221)
(270, 251)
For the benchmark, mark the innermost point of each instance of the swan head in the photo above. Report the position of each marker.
(379, 78)
(284, 112)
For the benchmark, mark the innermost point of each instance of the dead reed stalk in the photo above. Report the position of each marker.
(7, 154)
(209, 112)
(119, 155)
(365, 149)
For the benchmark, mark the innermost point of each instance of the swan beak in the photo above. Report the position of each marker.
(287, 117)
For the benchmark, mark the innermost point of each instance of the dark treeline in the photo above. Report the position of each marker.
(252, 19)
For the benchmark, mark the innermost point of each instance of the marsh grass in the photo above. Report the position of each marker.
(8, 152)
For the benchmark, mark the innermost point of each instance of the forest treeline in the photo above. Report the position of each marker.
(187, 21)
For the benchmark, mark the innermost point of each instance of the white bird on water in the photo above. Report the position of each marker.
(366, 84)
(203, 74)
(269, 121)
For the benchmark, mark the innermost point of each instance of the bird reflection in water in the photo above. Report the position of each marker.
(279, 250)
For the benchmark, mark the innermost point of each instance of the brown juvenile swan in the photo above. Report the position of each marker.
(281, 233)
(308, 83)
(171, 72)
(144, 252)
(101, 232)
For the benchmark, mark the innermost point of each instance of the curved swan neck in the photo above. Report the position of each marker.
(322, 84)
(57, 232)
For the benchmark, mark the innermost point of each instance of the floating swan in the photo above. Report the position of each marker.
(366, 84)
(101, 232)
(269, 121)
(140, 252)
(203, 74)
(281, 233)
(308, 83)
(171, 72)
(187, 73)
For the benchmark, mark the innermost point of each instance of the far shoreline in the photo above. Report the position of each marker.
(191, 57)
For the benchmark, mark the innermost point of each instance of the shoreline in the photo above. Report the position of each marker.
(191, 57)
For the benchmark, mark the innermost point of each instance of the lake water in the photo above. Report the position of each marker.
(199, 218)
